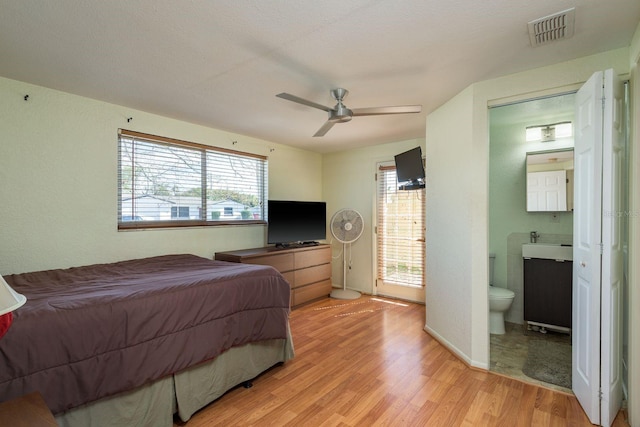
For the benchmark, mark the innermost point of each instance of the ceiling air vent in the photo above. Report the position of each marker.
(553, 27)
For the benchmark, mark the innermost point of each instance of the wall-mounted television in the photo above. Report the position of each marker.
(296, 223)
(410, 170)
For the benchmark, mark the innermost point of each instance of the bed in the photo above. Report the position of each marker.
(137, 341)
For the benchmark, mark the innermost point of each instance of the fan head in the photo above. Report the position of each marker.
(340, 113)
(347, 225)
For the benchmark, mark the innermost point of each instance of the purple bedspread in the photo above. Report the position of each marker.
(90, 332)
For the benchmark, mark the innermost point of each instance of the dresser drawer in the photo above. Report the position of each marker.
(305, 276)
(309, 258)
(281, 262)
(306, 269)
(311, 292)
(289, 277)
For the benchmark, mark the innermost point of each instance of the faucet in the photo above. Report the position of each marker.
(534, 236)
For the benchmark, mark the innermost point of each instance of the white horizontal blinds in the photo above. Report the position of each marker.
(400, 231)
(164, 182)
(235, 186)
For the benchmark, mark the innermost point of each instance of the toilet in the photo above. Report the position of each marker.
(500, 300)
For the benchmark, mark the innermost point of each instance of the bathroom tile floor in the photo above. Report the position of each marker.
(509, 352)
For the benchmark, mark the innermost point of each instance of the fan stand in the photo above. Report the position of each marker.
(344, 293)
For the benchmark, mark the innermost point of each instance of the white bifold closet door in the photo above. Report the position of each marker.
(597, 247)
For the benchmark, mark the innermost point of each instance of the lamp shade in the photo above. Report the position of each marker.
(9, 299)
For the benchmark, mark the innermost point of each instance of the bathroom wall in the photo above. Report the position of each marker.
(509, 222)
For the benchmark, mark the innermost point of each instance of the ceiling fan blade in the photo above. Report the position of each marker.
(302, 101)
(377, 111)
(325, 128)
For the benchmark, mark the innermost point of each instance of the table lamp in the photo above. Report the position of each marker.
(9, 301)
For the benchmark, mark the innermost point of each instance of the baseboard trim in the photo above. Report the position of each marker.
(455, 350)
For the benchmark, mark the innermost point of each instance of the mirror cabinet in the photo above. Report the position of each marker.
(550, 181)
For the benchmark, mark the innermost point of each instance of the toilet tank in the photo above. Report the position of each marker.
(492, 259)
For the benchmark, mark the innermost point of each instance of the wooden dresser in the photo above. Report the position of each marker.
(307, 268)
(26, 411)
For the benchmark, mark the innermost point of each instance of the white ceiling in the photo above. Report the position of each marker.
(220, 64)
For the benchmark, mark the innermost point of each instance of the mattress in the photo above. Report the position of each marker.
(90, 332)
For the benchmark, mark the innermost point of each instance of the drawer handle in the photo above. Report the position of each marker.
(583, 264)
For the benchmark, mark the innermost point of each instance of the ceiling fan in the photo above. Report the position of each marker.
(340, 113)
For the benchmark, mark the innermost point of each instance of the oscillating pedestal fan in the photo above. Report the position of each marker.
(346, 227)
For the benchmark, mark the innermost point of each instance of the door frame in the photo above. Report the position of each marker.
(402, 292)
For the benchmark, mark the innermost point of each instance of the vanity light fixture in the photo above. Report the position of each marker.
(550, 132)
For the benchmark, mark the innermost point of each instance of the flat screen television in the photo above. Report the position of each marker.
(409, 169)
(296, 223)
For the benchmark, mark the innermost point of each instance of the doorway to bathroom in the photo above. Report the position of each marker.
(600, 235)
(529, 352)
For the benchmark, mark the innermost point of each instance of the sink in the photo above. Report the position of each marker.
(547, 251)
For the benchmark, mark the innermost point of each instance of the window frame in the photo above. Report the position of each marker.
(205, 150)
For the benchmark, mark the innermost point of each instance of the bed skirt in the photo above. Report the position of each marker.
(183, 393)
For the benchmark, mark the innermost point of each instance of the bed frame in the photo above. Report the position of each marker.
(184, 393)
(135, 342)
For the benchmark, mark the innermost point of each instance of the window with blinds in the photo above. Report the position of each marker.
(163, 182)
(400, 231)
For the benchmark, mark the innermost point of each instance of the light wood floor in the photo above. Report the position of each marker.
(369, 362)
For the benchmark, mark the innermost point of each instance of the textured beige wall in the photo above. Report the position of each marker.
(58, 182)
(449, 237)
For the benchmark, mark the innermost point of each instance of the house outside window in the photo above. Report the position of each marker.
(179, 212)
(163, 182)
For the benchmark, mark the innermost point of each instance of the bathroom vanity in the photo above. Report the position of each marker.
(548, 271)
